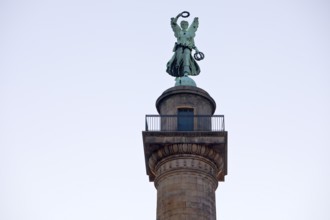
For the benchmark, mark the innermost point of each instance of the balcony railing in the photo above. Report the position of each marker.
(185, 123)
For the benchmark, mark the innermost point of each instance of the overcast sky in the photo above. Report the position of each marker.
(78, 77)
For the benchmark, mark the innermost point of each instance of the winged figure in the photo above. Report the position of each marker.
(182, 63)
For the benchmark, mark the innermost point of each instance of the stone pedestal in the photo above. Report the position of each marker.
(185, 166)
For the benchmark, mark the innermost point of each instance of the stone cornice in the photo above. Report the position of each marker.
(160, 143)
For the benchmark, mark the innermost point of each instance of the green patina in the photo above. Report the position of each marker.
(182, 62)
(184, 81)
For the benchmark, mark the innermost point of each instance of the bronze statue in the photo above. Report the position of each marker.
(182, 63)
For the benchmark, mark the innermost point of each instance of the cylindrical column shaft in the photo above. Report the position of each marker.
(186, 187)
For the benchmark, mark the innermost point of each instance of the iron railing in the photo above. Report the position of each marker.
(185, 123)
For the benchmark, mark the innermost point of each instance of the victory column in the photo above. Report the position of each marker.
(185, 146)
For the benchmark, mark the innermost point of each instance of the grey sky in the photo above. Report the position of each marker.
(78, 77)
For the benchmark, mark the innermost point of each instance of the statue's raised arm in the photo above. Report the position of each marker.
(175, 27)
(182, 63)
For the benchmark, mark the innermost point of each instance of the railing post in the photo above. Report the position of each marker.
(146, 123)
(223, 123)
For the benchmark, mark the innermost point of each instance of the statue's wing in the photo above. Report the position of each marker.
(193, 27)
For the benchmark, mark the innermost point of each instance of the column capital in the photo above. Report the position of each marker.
(199, 151)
